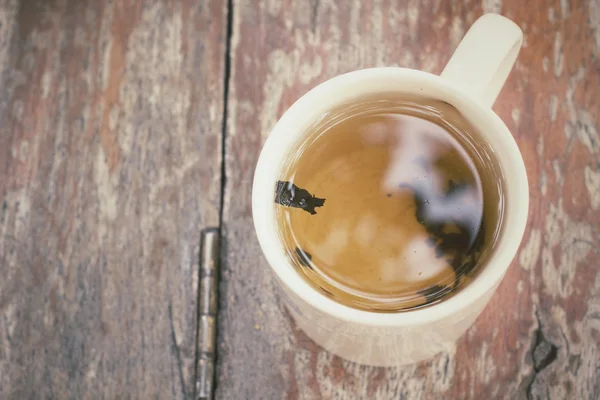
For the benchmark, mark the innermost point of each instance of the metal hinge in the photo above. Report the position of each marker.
(207, 314)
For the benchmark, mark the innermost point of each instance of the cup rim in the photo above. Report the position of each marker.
(264, 211)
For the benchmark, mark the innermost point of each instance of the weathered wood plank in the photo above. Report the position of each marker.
(110, 152)
(540, 335)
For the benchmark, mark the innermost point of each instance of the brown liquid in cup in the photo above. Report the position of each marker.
(390, 204)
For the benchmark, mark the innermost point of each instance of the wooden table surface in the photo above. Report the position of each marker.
(128, 126)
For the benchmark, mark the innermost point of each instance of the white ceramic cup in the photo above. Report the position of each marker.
(470, 82)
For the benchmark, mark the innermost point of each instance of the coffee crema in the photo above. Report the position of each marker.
(390, 204)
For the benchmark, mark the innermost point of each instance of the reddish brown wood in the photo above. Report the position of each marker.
(540, 335)
(110, 152)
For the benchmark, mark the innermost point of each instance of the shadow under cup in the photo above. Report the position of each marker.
(304, 177)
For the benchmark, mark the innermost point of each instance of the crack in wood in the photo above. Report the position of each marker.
(446, 364)
(175, 350)
(225, 113)
(543, 353)
(314, 15)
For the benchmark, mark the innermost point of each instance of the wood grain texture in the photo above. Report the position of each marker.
(110, 153)
(540, 335)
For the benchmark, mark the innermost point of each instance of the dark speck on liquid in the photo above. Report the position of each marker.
(303, 257)
(433, 293)
(289, 195)
(439, 251)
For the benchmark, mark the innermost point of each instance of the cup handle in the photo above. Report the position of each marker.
(484, 58)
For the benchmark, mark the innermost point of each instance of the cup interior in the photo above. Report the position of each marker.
(295, 124)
